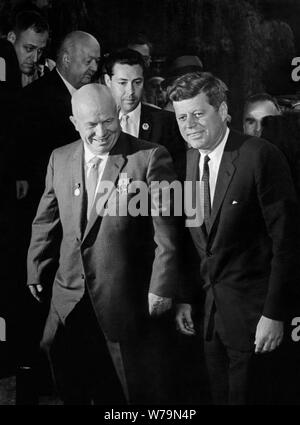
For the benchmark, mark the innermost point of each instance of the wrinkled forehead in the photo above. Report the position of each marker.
(89, 49)
(128, 72)
(94, 109)
(29, 36)
(260, 109)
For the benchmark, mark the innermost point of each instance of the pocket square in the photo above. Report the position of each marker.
(234, 202)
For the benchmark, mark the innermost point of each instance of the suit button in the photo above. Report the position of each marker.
(82, 276)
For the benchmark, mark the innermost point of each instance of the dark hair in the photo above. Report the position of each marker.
(190, 85)
(139, 38)
(124, 57)
(30, 19)
(261, 97)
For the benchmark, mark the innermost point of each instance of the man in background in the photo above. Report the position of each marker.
(256, 108)
(124, 75)
(29, 36)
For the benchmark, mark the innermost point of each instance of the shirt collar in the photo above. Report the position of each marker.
(69, 86)
(134, 115)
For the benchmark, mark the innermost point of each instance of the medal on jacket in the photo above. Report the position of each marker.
(123, 183)
(77, 189)
(145, 126)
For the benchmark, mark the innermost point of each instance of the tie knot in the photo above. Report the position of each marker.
(124, 118)
(206, 159)
(94, 161)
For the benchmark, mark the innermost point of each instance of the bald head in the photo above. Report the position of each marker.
(95, 117)
(78, 58)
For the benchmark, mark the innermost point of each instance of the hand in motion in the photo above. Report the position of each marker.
(184, 321)
(158, 305)
(36, 291)
(269, 334)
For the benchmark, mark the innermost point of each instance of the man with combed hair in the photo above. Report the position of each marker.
(257, 107)
(246, 240)
(124, 75)
(109, 271)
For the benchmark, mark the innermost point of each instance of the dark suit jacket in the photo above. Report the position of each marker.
(118, 258)
(44, 125)
(159, 126)
(248, 260)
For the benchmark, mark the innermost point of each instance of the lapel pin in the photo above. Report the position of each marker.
(77, 189)
(145, 126)
(234, 202)
(123, 183)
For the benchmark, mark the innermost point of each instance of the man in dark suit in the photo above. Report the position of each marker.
(46, 107)
(245, 233)
(124, 75)
(114, 268)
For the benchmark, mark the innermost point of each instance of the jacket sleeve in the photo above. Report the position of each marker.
(280, 210)
(160, 175)
(43, 253)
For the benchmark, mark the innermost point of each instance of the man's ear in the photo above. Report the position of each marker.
(73, 121)
(66, 60)
(11, 36)
(223, 111)
(107, 80)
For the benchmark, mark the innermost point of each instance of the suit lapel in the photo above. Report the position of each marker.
(78, 190)
(115, 162)
(146, 124)
(226, 172)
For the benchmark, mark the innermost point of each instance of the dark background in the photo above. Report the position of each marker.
(247, 43)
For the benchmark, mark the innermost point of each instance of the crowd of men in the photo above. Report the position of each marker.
(107, 289)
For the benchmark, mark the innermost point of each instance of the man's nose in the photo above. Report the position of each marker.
(190, 120)
(100, 130)
(94, 65)
(35, 56)
(258, 128)
(129, 89)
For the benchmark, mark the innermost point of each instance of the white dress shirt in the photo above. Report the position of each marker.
(133, 121)
(88, 156)
(69, 86)
(214, 165)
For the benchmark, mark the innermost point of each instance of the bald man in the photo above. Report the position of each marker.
(257, 107)
(110, 272)
(46, 106)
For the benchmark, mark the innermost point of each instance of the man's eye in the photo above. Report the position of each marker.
(29, 49)
(182, 118)
(198, 114)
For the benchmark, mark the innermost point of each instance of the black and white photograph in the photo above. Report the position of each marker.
(150, 212)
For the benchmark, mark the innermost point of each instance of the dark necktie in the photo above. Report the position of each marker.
(91, 182)
(206, 197)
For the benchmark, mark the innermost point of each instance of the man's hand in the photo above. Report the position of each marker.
(269, 334)
(36, 291)
(184, 321)
(22, 187)
(158, 305)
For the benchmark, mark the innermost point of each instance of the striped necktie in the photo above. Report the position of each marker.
(206, 197)
(91, 182)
